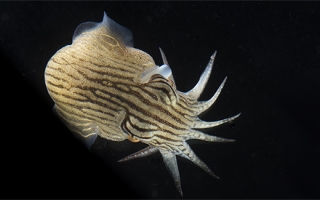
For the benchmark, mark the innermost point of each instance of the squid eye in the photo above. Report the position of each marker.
(130, 136)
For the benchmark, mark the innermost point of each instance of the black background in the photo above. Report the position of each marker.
(270, 52)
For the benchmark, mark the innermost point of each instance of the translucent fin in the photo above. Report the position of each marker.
(88, 139)
(163, 70)
(84, 27)
(170, 162)
(205, 105)
(84, 130)
(199, 87)
(140, 154)
(114, 29)
(203, 124)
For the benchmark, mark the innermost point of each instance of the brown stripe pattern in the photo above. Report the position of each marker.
(95, 84)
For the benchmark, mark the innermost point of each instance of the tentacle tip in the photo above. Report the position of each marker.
(237, 115)
(224, 81)
(214, 55)
(215, 176)
(125, 159)
(226, 140)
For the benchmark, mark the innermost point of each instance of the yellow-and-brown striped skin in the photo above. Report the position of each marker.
(95, 84)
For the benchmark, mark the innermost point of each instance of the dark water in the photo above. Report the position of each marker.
(270, 52)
